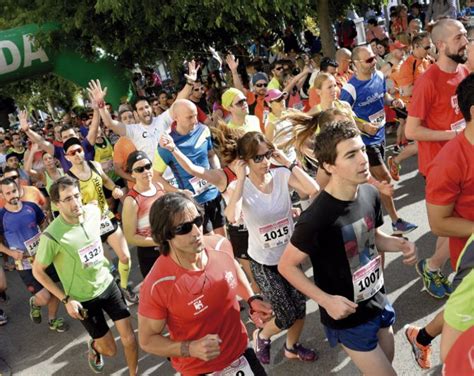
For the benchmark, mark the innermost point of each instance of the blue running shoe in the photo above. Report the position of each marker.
(401, 227)
(431, 280)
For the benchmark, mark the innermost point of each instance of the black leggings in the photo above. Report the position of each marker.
(146, 258)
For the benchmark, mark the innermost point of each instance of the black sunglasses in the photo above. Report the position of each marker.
(185, 228)
(261, 85)
(140, 169)
(259, 157)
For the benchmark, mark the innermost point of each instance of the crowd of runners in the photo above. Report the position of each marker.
(225, 189)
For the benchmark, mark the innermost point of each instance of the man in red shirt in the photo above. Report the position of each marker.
(434, 119)
(193, 291)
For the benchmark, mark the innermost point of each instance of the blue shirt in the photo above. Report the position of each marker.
(61, 156)
(196, 146)
(18, 227)
(367, 101)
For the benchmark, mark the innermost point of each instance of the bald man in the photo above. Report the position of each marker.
(343, 72)
(193, 139)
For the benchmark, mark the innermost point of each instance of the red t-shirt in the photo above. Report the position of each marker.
(435, 103)
(195, 304)
(450, 180)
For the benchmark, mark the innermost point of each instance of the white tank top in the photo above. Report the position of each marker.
(268, 218)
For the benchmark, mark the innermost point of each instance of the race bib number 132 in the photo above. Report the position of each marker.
(92, 254)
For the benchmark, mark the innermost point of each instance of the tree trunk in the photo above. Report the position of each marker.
(326, 29)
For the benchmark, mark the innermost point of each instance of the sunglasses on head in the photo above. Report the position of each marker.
(259, 157)
(72, 153)
(186, 227)
(142, 168)
(261, 85)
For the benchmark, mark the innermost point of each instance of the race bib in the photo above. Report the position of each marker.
(275, 234)
(378, 119)
(92, 254)
(31, 245)
(368, 280)
(459, 125)
(240, 367)
(24, 264)
(106, 226)
(199, 185)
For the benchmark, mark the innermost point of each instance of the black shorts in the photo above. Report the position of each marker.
(376, 154)
(112, 302)
(239, 238)
(30, 281)
(107, 234)
(146, 258)
(213, 214)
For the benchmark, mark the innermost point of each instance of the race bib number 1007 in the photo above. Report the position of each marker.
(368, 280)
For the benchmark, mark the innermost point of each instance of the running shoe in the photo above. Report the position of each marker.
(58, 325)
(401, 227)
(130, 296)
(422, 353)
(3, 317)
(397, 149)
(4, 298)
(261, 347)
(96, 361)
(35, 311)
(431, 280)
(448, 287)
(300, 352)
(394, 169)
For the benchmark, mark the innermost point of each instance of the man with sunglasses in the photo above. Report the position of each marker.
(366, 92)
(27, 192)
(234, 101)
(192, 291)
(277, 75)
(72, 243)
(255, 98)
(193, 139)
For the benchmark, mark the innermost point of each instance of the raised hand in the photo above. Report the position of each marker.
(96, 93)
(23, 116)
(166, 142)
(192, 71)
(232, 63)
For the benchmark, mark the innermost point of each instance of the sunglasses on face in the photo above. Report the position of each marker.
(261, 85)
(241, 103)
(142, 168)
(72, 153)
(259, 157)
(186, 227)
(278, 68)
(427, 48)
(370, 60)
(200, 89)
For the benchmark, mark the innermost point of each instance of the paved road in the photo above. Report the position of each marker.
(30, 349)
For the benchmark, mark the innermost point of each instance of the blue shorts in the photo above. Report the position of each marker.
(362, 337)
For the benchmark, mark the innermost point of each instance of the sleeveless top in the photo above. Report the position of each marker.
(144, 204)
(105, 153)
(49, 183)
(92, 189)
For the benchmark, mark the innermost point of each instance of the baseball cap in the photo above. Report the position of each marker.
(228, 97)
(274, 94)
(258, 77)
(135, 156)
(10, 155)
(397, 45)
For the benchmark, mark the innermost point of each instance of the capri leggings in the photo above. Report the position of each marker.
(288, 304)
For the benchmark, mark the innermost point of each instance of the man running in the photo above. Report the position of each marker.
(72, 244)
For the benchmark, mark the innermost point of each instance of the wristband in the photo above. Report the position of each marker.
(101, 104)
(65, 300)
(292, 166)
(185, 349)
(252, 298)
(190, 83)
(172, 150)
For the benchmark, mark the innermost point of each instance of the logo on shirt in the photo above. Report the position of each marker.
(454, 104)
(198, 305)
(229, 277)
(145, 134)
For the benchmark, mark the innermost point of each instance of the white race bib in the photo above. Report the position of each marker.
(275, 234)
(106, 226)
(459, 125)
(240, 367)
(32, 244)
(92, 254)
(368, 280)
(378, 119)
(199, 185)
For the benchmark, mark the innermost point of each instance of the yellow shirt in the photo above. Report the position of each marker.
(251, 124)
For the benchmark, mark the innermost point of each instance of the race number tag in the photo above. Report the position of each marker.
(31, 245)
(459, 125)
(92, 254)
(199, 185)
(106, 226)
(240, 367)
(368, 280)
(378, 119)
(25, 263)
(275, 234)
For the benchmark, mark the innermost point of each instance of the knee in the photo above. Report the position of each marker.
(129, 340)
(42, 298)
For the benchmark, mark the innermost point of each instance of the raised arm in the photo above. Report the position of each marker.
(233, 211)
(94, 126)
(299, 77)
(191, 78)
(97, 94)
(29, 163)
(33, 136)
(233, 64)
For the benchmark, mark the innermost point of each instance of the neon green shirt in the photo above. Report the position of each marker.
(274, 84)
(252, 124)
(77, 254)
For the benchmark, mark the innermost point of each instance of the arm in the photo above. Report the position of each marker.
(158, 178)
(129, 224)
(17, 255)
(213, 160)
(108, 183)
(414, 130)
(94, 127)
(33, 136)
(338, 307)
(29, 164)
(300, 77)
(120, 171)
(233, 211)
(388, 243)
(233, 64)
(443, 223)
(97, 94)
(191, 77)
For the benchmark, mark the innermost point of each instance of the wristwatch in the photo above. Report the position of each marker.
(66, 299)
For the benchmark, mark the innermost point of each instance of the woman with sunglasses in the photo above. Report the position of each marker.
(48, 176)
(262, 196)
(92, 180)
(136, 210)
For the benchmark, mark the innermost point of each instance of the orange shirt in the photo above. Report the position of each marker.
(257, 107)
(314, 98)
(409, 71)
(31, 194)
(122, 149)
